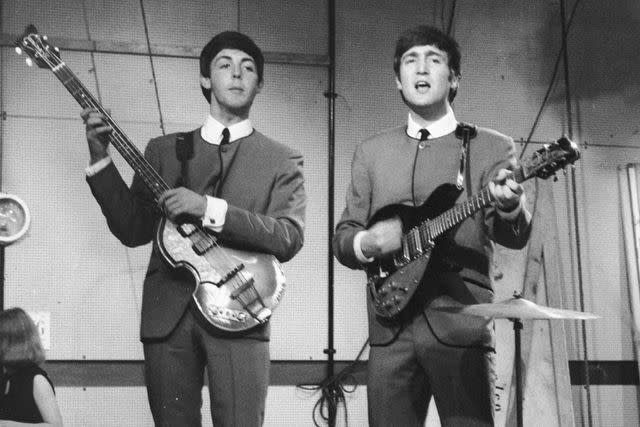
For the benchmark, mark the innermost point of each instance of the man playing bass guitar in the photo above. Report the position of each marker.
(247, 189)
(433, 161)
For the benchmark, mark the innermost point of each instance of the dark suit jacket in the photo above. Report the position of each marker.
(263, 185)
(381, 174)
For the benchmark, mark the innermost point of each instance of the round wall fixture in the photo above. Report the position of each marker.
(14, 219)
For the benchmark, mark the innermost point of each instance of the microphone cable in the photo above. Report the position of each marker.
(333, 391)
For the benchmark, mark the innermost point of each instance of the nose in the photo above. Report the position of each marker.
(423, 67)
(237, 69)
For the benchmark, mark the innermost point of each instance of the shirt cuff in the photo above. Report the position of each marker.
(93, 169)
(215, 214)
(512, 214)
(357, 250)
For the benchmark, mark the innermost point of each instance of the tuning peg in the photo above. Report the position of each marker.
(18, 50)
(29, 62)
(45, 38)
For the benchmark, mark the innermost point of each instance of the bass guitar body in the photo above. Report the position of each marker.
(235, 290)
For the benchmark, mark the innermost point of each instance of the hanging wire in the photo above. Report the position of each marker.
(551, 83)
(451, 16)
(566, 25)
(2, 119)
(238, 16)
(94, 69)
(127, 254)
(585, 353)
(153, 70)
(441, 14)
(333, 391)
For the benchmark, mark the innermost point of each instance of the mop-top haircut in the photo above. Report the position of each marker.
(229, 40)
(424, 35)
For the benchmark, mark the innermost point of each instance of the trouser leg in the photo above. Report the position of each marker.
(461, 380)
(397, 391)
(174, 377)
(238, 374)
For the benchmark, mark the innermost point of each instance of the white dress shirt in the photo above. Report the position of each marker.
(211, 132)
(441, 127)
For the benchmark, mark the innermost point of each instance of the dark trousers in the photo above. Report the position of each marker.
(237, 370)
(403, 375)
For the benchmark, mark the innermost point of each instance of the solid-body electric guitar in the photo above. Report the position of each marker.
(392, 280)
(235, 290)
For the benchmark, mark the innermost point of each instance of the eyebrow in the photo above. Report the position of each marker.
(428, 53)
(244, 59)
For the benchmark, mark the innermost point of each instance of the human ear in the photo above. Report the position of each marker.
(398, 83)
(455, 81)
(205, 82)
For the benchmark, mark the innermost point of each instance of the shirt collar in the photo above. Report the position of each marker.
(441, 127)
(211, 131)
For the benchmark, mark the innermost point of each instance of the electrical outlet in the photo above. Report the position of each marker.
(42, 319)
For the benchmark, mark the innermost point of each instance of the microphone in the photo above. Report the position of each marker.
(463, 128)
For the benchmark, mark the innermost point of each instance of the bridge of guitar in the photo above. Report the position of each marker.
(392, 292)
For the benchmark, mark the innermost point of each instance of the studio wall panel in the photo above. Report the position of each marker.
(34, 92)
(69, 264)
(57, 19)
(612, 406)
(603, 260)
(292, 109)
(306, 29)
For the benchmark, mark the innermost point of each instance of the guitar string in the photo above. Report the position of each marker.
(118, 137)
(150, 173)
(435, 227)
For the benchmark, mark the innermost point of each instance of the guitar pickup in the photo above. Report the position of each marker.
(238, 268)
(186, 229)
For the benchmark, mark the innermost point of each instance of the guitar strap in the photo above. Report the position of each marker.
(466, 132)
(184, 153)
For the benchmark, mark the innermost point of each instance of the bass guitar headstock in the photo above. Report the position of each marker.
(549, 159)
(38, 49)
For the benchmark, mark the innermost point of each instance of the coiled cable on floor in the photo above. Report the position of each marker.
(333, 391)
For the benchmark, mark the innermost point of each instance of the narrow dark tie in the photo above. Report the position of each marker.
(225, 136)
(224, 141)
(423, 134)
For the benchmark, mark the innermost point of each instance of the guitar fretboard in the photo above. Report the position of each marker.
(117, 138)
(420, 237)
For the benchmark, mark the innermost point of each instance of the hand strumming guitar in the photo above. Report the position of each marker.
(182, 201)
(382, 238)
